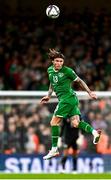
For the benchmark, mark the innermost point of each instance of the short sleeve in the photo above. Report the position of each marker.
(71, 74)
(49, 71)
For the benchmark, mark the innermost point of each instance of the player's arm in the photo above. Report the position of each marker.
(45, 99)
(86, 88)
(50, 91)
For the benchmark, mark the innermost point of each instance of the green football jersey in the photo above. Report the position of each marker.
(61, 81)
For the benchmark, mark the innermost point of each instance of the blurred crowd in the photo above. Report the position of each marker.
(25, 128)
(84, 38)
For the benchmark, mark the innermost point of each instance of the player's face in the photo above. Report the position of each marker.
(58, 63)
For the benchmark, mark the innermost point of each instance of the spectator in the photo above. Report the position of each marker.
(32, 144)
(13, 137)
(3, 135)
(104, 145)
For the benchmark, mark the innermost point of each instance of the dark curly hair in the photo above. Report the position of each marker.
(55, 54)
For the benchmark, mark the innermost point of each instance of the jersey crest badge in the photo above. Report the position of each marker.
(61, 74)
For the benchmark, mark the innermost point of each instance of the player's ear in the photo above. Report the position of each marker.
(63, 61)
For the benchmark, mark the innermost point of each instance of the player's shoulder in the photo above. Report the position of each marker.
(50, 69)
(67, 69)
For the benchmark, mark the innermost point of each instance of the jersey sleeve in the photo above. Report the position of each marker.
(71, 74)
(48, 71)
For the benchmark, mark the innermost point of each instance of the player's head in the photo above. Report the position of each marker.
(57, 58)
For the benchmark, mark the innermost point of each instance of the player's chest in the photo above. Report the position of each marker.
(56, 78)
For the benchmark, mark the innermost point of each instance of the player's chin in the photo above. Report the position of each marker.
(58, 68)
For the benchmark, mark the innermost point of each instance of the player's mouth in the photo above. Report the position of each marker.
(58, 67)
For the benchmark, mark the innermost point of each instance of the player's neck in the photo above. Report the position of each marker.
(56, 70)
